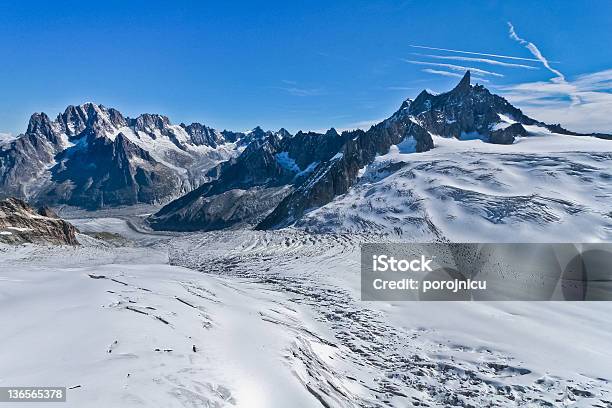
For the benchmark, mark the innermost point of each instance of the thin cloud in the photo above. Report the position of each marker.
(559, 77)
(480, 60)
(443, 73)
(454, 67)
(293, 88)
(301, 91)
(364, 125)
(473, 53)
(598, 81)
(5, 136)
(554, 102)
(450, 74)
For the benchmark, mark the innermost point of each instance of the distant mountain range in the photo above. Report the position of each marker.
(91, 156)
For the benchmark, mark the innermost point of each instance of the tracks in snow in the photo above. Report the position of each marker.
(354, 357)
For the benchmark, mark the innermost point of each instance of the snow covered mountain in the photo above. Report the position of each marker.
(544, 188)
(92, 156)
(243, 190)
(473, 112)
(275, 182)
(246, 318)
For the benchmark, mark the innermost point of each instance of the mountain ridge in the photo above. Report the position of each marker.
(76, 159)
(91, 156)
(465, 112)
(20, 223)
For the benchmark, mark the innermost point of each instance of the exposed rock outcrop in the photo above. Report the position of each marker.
(20, 223)
(244, 190)
(336, 176)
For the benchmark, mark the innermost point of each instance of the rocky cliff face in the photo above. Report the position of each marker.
(20, 223)
(285, 176)
(25, 159)
(244, 190)
(109, 172)
(467, 112)
(472, 111)
(335, 176)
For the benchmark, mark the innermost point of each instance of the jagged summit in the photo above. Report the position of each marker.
(464, 84)
(93, 156)
(332, 132)
(282, 132)
(424, 99)
(471, 112)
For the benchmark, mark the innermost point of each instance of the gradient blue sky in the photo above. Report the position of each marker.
(301, 65)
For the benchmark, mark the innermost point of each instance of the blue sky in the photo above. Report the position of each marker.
(302, 64)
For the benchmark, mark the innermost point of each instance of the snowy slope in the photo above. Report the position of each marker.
(188, 160)
(405, 353)
(544, 187)
(127, 340)
(276, 321)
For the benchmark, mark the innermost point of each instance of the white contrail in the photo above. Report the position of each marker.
(443, 73)
(481, 60)
(559, 77)
(450, 74)
(473, 53)
(454, 67)
(536, 53)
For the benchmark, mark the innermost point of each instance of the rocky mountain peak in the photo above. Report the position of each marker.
(282, 132)
(332, 132)
(125, 149)
(421, 103)
(469, 112)
(40, 126)
(257, 132)
(464, 85)
(148, 122)
(90, 119)
(203, 135)
(73, 120)
(405, 105)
